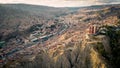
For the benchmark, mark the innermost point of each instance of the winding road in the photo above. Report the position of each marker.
(40, 39)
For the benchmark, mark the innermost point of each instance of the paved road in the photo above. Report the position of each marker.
(40, 39)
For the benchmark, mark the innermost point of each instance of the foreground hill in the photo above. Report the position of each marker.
(100, 51)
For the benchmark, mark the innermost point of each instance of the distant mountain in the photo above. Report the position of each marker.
(38, 10)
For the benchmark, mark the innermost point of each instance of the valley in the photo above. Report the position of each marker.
(83, 37)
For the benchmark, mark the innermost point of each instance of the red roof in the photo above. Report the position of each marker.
(1, 61)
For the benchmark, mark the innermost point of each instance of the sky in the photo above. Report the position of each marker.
(63, 3)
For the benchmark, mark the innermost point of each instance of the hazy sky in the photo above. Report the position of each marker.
(63, 3)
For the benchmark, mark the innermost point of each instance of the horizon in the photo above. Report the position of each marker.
(62, 3)
(57, 7)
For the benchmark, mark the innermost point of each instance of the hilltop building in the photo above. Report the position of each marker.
(92, 30)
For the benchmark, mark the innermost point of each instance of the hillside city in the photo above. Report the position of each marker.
(85, 37)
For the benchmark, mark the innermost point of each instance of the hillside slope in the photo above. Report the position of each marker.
(95, 52)
(18, 18)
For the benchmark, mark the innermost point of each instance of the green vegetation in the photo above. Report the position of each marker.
(2, 43)
(114, 34)
(35, 27)
(101, 49)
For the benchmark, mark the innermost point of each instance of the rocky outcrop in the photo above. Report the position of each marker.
(87, 54)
